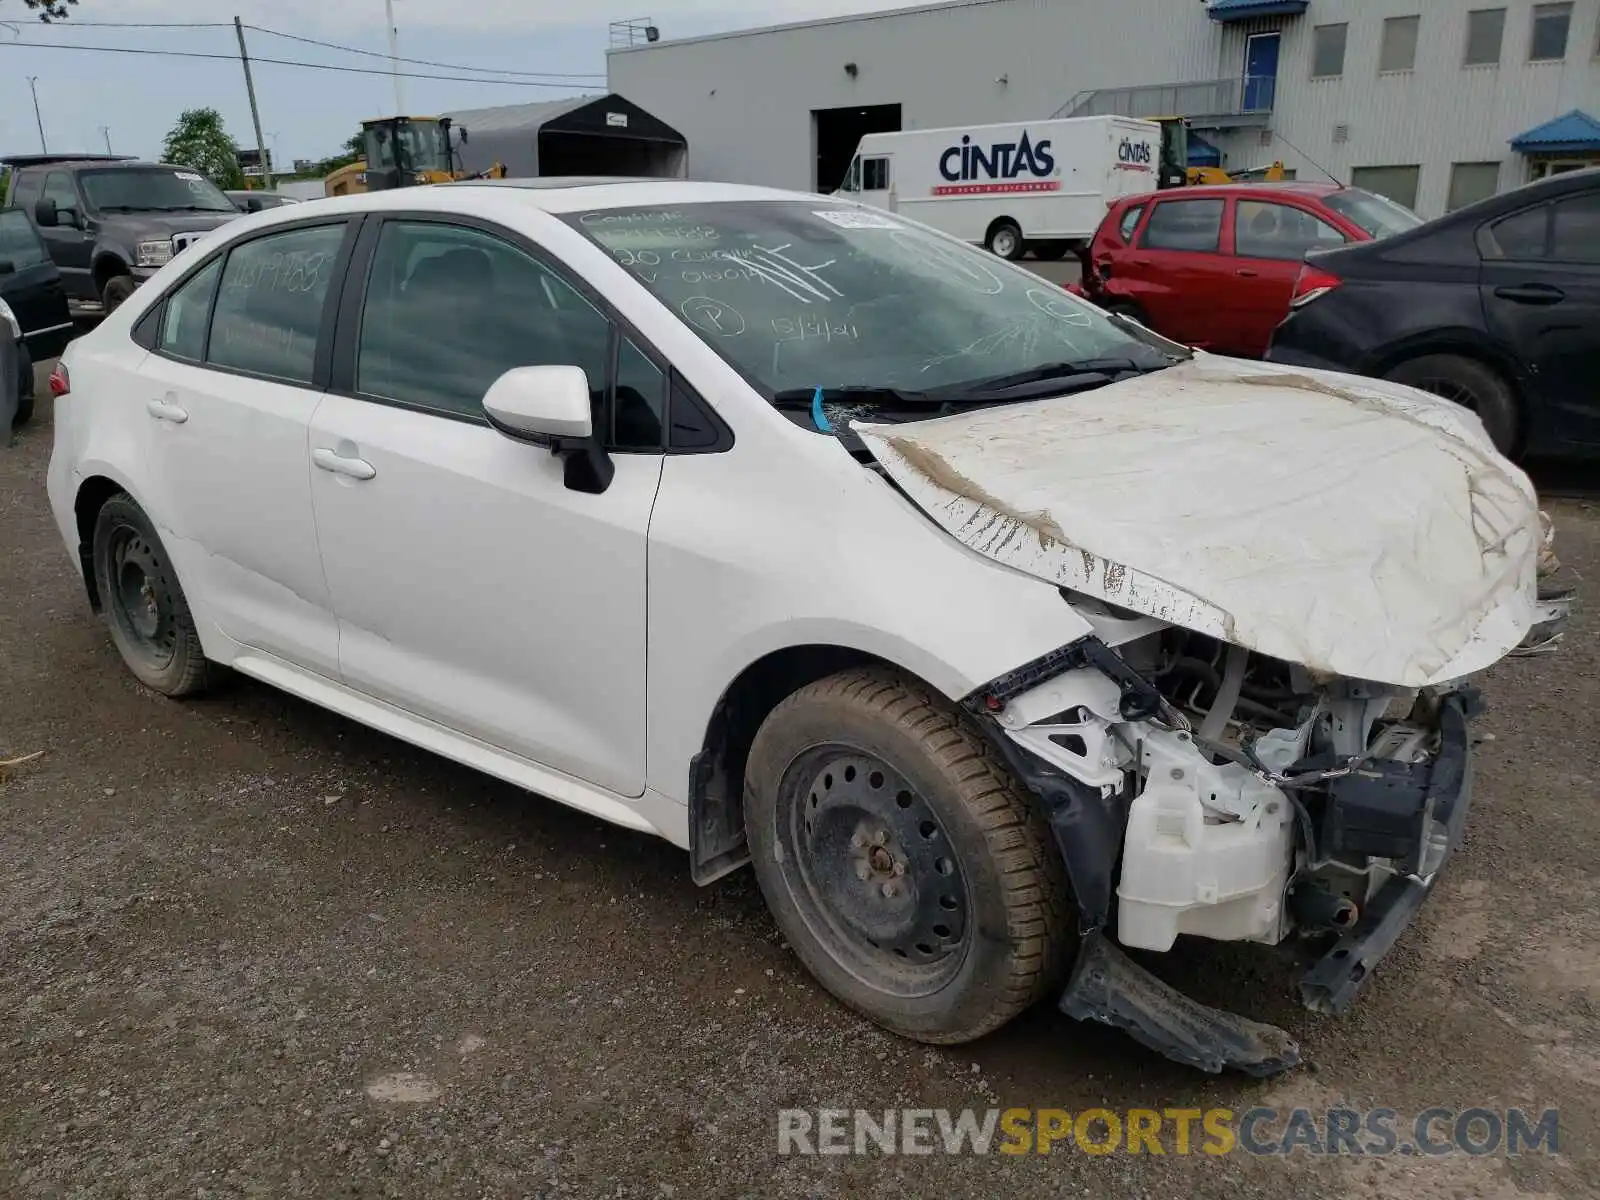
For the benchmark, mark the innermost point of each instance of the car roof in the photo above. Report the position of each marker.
(553, 195)
(1308, 190)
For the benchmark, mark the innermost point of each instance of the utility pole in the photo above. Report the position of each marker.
(394, 59)
(105, 132)
(33, 86)
(255, 113)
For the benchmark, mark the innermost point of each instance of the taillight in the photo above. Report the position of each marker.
(1311, 283)
(60, 381)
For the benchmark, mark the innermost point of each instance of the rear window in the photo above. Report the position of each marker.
(1378, 215)
(1184, 225)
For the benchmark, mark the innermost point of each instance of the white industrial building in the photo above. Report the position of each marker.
(1433, 102)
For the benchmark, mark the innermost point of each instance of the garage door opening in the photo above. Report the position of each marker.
(839, 131)
(597, 154)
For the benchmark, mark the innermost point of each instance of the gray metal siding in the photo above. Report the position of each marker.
(744, 102)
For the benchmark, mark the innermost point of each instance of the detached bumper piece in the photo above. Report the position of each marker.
(1435, 807)
(1109, 987)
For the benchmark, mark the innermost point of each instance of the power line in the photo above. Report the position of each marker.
(285, 62)
(424, 62)
(76, 24)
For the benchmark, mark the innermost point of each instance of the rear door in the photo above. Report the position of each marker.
(238, 367)
(1540, 284)
(32, 285)
(1270, 241)
(1177, 267)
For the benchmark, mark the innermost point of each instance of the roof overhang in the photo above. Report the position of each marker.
(1574, 132)
(1226, 11)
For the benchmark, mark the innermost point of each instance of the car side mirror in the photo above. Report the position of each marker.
(549, 406)
(46, 213)
(253, 204)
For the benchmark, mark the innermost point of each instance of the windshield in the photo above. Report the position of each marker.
(1378, 215)
(798, 295)
(154, 189)
(422, 146)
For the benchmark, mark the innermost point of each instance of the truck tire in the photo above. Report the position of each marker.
(901, 858)
(1471, 384)
(144, 604)
(117, 289)
(1053, 251)
(1005, 240)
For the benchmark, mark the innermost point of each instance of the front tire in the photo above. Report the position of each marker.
(1005, 240)
(901, 859)
(1470, 384)
(148, 613)
(118, 288)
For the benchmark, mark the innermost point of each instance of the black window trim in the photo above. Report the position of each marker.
(347, 333)
(147, 330)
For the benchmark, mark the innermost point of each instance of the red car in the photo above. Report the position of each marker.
(1215, 266)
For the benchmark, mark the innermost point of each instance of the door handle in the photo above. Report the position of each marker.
(166, 410)
(1247, 273)
(1531, 293)
(355, 468)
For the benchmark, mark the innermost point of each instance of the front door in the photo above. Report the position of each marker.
(1260, 71)
(1540, 284)
(71, 241)
(31, 285)
(472, 586)
(1270, 241)
(226, 403)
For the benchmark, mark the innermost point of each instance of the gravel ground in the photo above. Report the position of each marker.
(253, 949)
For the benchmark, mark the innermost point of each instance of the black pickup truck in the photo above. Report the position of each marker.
(112, 222)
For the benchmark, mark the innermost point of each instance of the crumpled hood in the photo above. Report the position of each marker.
(1357, 527)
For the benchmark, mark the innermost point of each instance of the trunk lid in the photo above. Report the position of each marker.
(1356, 527)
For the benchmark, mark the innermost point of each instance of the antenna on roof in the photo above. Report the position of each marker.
(639, 31)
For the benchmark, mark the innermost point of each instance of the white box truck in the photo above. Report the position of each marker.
(1039, 185)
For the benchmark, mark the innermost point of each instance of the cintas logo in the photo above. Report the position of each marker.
(1133, 156)
(1003, 160)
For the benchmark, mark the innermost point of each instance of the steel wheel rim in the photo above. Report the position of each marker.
(1005, 243)
(872, 869)
(139, 601)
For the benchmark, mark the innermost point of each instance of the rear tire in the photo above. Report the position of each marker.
(902, 860)
(25, 388)
(118, 288)
(1471, 384)
(144, 604)
(1005, 240)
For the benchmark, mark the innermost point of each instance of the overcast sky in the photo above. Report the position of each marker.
(306, 113)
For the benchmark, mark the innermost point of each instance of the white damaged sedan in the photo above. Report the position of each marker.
(996, 633)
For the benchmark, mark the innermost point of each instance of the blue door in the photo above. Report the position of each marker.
(1260, 71)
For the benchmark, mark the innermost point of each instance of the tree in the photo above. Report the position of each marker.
(353, 152)
(50, 10)
(198, 140)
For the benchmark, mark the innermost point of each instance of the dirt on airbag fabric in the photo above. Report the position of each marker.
(1378, 537)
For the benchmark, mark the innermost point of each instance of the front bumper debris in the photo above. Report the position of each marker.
(1331, 985)
(1109, 987)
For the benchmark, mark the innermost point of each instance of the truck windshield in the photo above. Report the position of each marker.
(1378, 215)
(798, 294)
(421, 146)
(153, 189)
